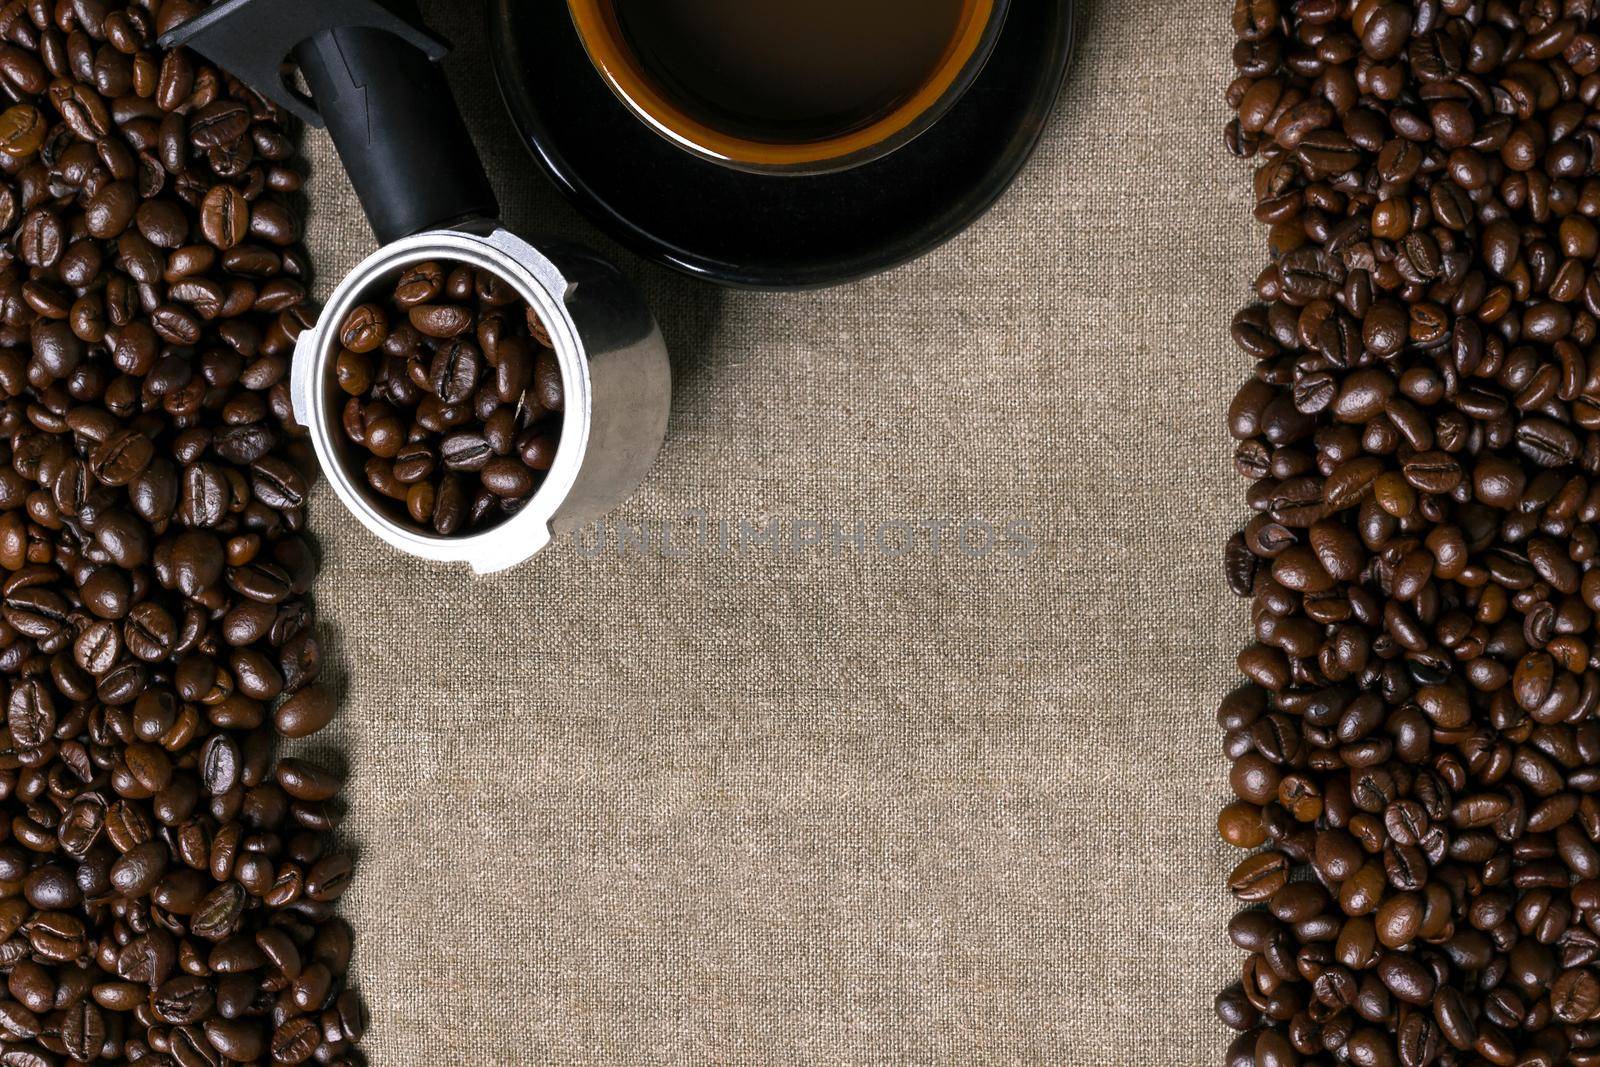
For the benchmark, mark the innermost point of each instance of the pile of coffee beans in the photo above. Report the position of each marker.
(1416, 750)
(167, 881)
(455, 393)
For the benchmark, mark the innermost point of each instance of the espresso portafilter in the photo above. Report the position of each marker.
(373, 79)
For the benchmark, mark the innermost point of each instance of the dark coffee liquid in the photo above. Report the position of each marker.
(789, 71)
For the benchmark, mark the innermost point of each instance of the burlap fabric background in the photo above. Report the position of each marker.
(857, 809)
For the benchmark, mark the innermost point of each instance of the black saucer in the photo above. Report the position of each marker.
(766, 231)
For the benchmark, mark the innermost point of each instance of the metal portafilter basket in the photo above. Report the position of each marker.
(374, 81)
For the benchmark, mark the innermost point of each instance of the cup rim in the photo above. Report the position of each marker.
(982, 23)
(541, 284)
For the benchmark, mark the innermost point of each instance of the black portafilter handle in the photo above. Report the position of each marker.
(375, 82)
(398, 131)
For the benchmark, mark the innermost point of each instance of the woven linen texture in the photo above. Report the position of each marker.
(842, 807)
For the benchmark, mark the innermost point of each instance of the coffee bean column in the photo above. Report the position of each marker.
(1416, 749)
(167, 883)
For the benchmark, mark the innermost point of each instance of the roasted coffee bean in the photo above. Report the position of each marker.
(22, 131)
(508, 477)
(306, 781)
(548, 382)
(240, 1040)
(454, 373)
(450, 388)
(440, 320)
(1260, 876)
(295, 1040)
(41, 239)
(364, 329)
(465, 451)
(138, 870)
(537, 448)
(224, 216)
(513, 368)
(278, 483)
(419, 284)
(304, 712)
(328, 877)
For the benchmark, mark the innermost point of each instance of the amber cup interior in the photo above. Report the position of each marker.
(607, 45)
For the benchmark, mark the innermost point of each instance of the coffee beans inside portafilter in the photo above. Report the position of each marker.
(167, 880)
(1416, 751)
(454, 394)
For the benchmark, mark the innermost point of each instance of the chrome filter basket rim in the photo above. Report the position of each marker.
(539, 282)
